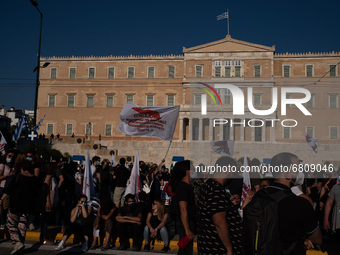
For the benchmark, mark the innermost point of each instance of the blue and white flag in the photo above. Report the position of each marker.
(22, 125)
(222, 16)
(312, 142)
(39, 123)
(2, 144)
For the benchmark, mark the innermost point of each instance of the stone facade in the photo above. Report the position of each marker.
(76, 91)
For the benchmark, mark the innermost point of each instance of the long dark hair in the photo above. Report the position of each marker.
(179, 172)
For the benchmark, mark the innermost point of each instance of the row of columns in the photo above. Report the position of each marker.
(183, 136)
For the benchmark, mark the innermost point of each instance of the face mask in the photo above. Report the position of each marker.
(299, 179)
(9, 160)
(29, 158)
(130, 204)
(155, 211)
(98, 164)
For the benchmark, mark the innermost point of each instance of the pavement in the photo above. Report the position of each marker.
(32, 239)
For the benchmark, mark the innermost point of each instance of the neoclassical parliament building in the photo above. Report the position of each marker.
(85, 95)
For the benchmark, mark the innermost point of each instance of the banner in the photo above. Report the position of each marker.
(88, 186)
(155, 121)
(134, 183)
(225, 148)
(246, 179)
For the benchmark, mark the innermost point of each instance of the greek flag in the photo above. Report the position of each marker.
(39, 124)
(222, 16)
(22, 125)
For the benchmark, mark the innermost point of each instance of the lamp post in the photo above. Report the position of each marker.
(37, 82)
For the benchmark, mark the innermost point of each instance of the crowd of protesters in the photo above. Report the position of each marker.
(33, 192)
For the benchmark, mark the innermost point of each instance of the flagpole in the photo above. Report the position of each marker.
(166, 154)
(228, 20)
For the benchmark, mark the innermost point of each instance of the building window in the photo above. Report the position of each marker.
(50, 128)
(310, 103)
(257, 70)
(218, 93)
(131, 72)
(199, 70)
(228, 69)
(72, 72)
(257, 99)
(333, 133)
(129, 98)
(53, 73)
(70, 100)
(310, 131)
(258, 134)
(92, 72)
(333, 101)
(227, 97)
(109, 101)
(51, 100)
(237, 68)
(149, 100)
(151, 72)
(170, 100)
(286, 132)
(108, 129)
(197, 99)
(171, 72)
(286, 71)
(309, 70)
(69, 129)
(90, 101)
(332, 70)
(111, 73)
(217, 68)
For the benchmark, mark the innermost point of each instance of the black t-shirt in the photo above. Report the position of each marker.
(122, 176)
(106, 205)
(214, 199)
(145, 210)
(23, 192)
(154, 221)
(235, 186)
(296, 219)
(185, 192)
(105, 179)
(132, 211)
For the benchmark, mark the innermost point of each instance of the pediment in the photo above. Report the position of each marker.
(228, 44)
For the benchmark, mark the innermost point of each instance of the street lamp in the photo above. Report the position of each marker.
(35, 4)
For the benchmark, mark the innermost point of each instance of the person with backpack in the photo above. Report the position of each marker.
(220, 225)
(278, 222)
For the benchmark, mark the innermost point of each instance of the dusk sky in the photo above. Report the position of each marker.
(103, 27)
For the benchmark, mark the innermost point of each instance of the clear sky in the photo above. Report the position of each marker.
(103, 27)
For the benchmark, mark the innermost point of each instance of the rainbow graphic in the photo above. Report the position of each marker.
(209, 93)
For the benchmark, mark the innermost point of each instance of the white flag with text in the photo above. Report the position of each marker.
(149, 121)
(134, 183)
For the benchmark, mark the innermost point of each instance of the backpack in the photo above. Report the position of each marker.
(261, 228)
